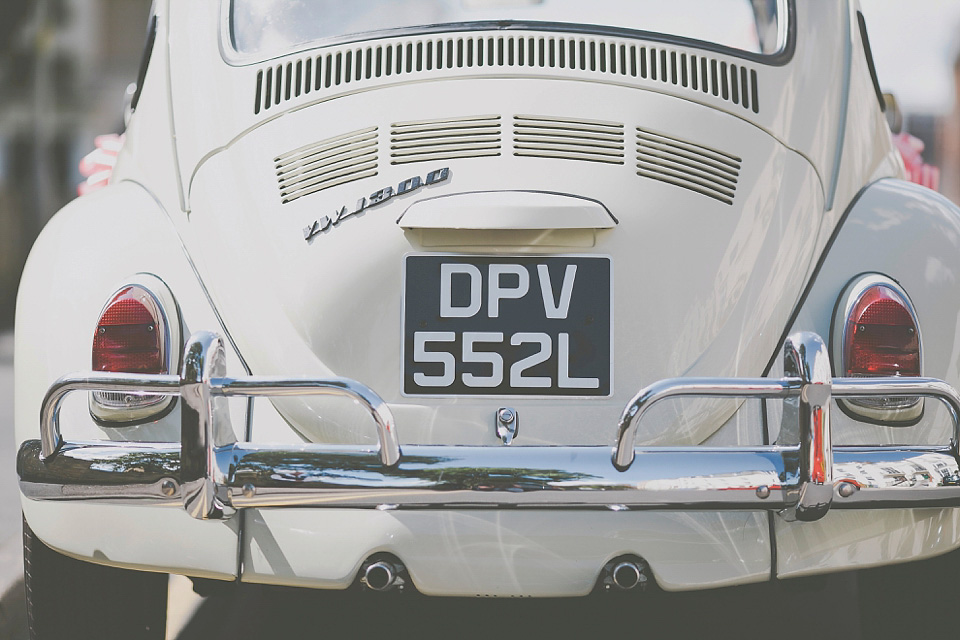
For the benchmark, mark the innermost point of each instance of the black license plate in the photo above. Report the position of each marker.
(507, 326)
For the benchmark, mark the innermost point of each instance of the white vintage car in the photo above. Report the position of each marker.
(489, 298)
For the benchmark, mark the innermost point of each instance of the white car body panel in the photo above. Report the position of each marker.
(888, 216)
(823, 29)
(506, 554)
(714, 281)
(77, 291)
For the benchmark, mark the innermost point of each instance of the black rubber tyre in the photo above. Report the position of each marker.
(69, 598)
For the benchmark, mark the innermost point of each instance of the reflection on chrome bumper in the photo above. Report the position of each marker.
(212, 476)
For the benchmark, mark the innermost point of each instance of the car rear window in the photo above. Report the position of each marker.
(268, 28)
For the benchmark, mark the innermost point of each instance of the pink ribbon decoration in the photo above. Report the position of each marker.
(918, 171)
(97, 166)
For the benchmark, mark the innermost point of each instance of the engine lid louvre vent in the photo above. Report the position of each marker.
(686, 164)
(578, 56)
(328, 163)
(445, 139)
(589, 140)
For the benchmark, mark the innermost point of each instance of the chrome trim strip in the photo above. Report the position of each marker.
(204, 428)
(806, 357)
(926, 387)
(690, 387)
(94, 381)
(808, 378)
(433, 476)
(448, 477)
(104, 471)
(275, 386)
(250, 386)
(445, 477)
(211, 475)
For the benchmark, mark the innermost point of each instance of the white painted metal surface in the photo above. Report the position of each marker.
(506, 210)
(483, 553)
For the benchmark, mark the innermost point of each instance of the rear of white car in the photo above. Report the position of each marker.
(491, 302)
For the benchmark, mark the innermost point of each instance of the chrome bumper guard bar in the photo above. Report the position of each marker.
(211, 475)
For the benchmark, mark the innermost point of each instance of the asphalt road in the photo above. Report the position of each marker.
(799, 609)
(258, 612)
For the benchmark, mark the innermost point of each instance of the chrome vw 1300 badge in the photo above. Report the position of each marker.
(376, 198)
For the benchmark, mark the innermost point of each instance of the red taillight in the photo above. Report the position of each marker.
(130, 334)
(876, 333)
(881, 336)
(138, 332)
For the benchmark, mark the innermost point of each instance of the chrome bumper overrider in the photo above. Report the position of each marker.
(211, 475)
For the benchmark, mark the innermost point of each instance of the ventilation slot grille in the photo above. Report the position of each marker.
(589, 140)
(326, 164)
(688, 165)
(344, 66)
(731, 82)
(430, 140)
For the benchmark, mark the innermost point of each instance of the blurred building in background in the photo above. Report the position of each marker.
(64, 66)
(947, 134)
(939, 129)
(914, 46)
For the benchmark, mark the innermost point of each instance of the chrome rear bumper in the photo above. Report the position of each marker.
(212, 476)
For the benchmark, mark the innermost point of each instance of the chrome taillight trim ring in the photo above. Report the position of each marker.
(906, 415)
(169, 323)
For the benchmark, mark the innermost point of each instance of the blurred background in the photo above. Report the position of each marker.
(64, 66)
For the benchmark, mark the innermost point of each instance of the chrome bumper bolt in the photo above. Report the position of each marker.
(763, 492)
(508, 424)
(168, 487)
(846, 489)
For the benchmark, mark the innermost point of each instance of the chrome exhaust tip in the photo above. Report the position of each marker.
(379, 576)
(383, 572)
(626, 573)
